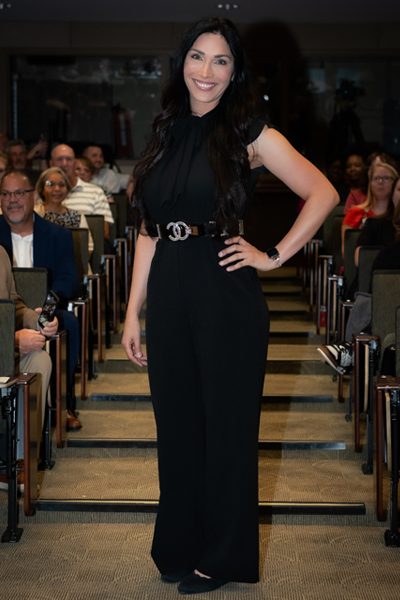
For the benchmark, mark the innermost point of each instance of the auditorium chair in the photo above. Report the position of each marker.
(31, 285)
(80, 306)
(17, 391)
(105, 263)
(385, 298)
(387, 427)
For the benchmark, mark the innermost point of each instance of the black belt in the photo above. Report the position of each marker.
(179, 231)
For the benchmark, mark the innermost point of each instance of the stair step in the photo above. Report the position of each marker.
(152, 443)
(148, 506)
(267, 399)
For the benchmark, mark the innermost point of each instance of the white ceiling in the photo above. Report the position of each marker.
(250, 11)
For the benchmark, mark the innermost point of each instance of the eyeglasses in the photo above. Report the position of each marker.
(19, 194)
(385, 179)
(61, 184)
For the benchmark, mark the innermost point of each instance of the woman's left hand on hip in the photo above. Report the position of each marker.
(247, 255)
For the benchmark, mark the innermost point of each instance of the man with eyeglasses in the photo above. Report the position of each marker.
(31, 241)
(87, 198)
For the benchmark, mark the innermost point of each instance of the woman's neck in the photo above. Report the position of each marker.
(380, 205)
(54, 207)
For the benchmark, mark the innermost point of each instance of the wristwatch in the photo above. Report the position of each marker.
(273, 253)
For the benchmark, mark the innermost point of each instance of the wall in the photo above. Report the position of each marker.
(18, 37)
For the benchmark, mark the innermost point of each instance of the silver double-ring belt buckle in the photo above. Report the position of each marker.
(180, 231)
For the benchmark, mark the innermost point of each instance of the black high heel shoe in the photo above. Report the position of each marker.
(175, 577)
(195, 584)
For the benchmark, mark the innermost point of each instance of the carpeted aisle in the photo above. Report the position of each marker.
(111, 562)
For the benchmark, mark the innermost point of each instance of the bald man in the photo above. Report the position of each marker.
(87, 198)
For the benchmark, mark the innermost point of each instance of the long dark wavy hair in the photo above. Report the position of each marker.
(228, 134)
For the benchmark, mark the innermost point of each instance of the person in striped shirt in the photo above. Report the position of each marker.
(87, 198)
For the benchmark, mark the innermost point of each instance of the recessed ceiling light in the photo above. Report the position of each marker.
(227, 6)
(3, 5)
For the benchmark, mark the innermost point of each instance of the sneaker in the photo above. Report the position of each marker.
(338, 356)
(20, 482)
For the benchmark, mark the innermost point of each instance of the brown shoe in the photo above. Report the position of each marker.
(73, 424)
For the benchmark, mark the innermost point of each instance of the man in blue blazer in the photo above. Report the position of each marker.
(31, 241)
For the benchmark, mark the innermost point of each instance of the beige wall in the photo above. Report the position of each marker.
(126, 38)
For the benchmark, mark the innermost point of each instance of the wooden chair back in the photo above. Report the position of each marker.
(366, 260)
(337, 243)
(96, 226)
(385, 299)
(121, 203)
(327, 229)
(80, 238)
(350, 244)
(7, 337)
(31, 285)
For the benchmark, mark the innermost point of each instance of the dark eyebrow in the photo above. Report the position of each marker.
(215, 56)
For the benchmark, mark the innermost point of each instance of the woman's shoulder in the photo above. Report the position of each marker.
(257, 125)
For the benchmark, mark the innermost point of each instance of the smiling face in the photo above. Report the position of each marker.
(95, 155)
(355, 168)
(83, 170)
(208, 71)
(55, 189)
(17, 207)
(64, 157)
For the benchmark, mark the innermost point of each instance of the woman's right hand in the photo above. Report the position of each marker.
(131, 342)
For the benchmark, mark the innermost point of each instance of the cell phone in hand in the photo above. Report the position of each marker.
(49, 309)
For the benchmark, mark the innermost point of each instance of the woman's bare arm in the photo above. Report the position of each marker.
(144, 253)
(273, 151)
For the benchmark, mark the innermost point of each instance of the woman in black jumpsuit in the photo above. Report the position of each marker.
(207, 334)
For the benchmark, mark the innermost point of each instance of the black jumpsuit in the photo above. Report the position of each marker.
(207, 336)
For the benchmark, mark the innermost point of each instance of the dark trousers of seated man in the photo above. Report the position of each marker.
(68, 321)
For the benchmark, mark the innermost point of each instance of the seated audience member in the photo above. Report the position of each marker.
(85, 171)
(341, 356)
(84, 197)
(31, 241)
(356, 176)
(18, 157)
(379, 197)
(53, 187)
(104, 177)
(377, 158)
(30, 356)
(381, 231)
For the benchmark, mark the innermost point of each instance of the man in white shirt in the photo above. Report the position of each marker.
(104, 177)
(85, 197)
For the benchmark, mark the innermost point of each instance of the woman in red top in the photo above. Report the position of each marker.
(379, 196)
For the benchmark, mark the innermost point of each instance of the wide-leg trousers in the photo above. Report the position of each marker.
(207, 336)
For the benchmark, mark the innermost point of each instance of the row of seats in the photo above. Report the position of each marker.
(100, 309)
(372, 392)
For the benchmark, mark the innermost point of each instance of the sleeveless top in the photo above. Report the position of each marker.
(182, 185)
